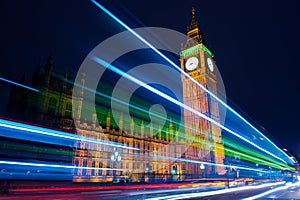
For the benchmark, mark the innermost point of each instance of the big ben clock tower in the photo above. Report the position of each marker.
(197, 60)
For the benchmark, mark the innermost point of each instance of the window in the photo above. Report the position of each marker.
(68, 111)
(52, 106)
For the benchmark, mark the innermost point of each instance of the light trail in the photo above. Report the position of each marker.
(272, 191)
(250, 153)
(59, 134)
(72, 136)
(154, 90)
(115, 145)
(136, 107)
(29, 148)
(207, 163)
(186, 74)
(203, 162)
(255, 158)
(19, 84)
(165, 187)
(218, 192)
(54, 165)
(174, 122)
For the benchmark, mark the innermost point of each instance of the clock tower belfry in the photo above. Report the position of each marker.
(197, 60)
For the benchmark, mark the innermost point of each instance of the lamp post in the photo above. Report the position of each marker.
(227, 167)
(148, 168)
(202, 167)
(115, 158)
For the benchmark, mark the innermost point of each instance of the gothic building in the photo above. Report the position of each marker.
(51, 106)
(197, 60)
(155, 153)
(152, 152)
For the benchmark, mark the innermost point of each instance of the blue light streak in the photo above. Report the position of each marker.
(297, 184)
(187, 75)
(143, 110)
(154, 90)
(205, 163)
(44, 131)
(19, 84)
(53, 165)
(218, 192)
(132, 106)
(53, 133)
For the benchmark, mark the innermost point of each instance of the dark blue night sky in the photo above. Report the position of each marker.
(256, 46)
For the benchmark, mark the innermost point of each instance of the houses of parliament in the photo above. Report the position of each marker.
(152, 155)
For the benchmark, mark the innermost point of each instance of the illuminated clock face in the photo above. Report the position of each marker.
(210, 64)
(191, 63)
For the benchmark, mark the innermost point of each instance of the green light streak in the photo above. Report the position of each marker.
(233, 148)
(35, 149)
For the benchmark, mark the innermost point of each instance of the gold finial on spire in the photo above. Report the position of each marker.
(194, 23)
(193, 12)
(193, 30)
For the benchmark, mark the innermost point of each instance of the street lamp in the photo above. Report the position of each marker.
(202, 166)
(115, 158)
(174, 170)
(227, 167)
(148, 168)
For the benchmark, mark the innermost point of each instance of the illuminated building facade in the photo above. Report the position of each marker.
(156, 151)
(154, 146)
(197, 60)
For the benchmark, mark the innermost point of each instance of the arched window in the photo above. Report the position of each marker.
(100, 165)
(128, 146)
(68, 111)
(52, 106)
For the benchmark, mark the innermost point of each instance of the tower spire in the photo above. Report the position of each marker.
(193, 30)
(194, 23)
